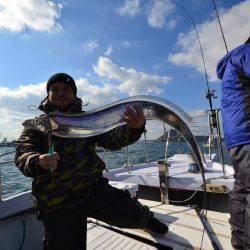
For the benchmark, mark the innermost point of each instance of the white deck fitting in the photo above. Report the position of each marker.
(186, 228)
(147, 174)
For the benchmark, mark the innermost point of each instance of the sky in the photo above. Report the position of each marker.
(113, 49)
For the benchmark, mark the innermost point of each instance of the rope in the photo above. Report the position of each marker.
(182, 201)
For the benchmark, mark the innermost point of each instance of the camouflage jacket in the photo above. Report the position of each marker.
(77, 170)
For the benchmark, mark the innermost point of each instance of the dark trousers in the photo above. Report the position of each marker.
(67, 229)
(239, 197)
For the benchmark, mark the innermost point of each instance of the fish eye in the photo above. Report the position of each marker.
(37, 121)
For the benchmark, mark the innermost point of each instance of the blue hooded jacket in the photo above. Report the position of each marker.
(234, 71)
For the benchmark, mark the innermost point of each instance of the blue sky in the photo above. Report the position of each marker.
(113, 49)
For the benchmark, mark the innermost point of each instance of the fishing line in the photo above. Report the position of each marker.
(33, 108)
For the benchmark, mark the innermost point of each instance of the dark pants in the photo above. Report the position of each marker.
(67, 229)
(239, 197)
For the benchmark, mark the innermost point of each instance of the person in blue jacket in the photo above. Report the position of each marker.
(234, 71)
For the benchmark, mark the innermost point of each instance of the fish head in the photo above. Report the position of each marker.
(43, 123)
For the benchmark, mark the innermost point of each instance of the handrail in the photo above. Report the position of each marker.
(146, 145)
(127, 164)
(166, 140)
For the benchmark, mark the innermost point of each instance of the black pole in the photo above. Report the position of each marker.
(220, 26)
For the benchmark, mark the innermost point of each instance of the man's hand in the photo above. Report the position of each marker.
(45, 161)
(134, 117)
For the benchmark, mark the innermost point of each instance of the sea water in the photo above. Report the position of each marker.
(14, 182)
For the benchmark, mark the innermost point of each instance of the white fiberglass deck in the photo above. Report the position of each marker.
(185, 227)
(147, 174)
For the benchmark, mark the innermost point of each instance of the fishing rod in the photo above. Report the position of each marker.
(218, 18)
(213, 121)
(209, 93)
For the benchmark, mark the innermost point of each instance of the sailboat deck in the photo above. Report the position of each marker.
(147, 174)
(186, 231)
(102, 238)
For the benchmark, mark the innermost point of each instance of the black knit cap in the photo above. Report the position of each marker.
(61, 77)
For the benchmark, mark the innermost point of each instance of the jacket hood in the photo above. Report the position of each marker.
(47, 107)
(222, 64)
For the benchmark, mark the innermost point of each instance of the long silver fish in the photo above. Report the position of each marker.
(101, 120)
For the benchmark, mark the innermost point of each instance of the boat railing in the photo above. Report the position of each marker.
(166, 138)
(215, 133)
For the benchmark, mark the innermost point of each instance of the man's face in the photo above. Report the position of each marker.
(61, 95)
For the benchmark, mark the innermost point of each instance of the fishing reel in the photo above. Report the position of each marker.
(210, 94)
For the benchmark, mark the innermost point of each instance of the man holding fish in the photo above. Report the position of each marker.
(68, 185)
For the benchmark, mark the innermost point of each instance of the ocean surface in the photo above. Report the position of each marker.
(14, 182)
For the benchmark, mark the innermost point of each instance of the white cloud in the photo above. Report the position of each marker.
(11, 122)
(235, 22)
(23, 91)
(14, 106)
(40, 15)
(158, 12)
(108, 51)
(199, 126)
(95, 95)
(19, 99)
(129, 7)
(130, 81)
(126, 44)
(90, 46)
(172, 24)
